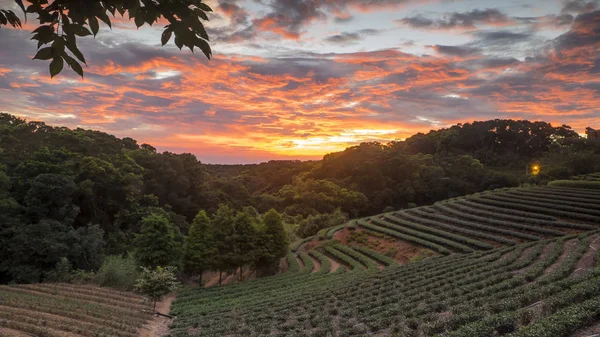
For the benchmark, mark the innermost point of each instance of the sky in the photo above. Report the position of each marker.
(296, 79)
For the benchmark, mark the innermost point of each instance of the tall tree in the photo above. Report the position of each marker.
(200, 249)
(156, 244)
(273, 241)
(223, 232)
(245, 238)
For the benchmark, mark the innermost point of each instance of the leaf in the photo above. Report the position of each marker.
(166, 36)
(93, 22)
(80, 30)
(204, 7)
(205, 47)
(20, 3)
(73, 48)
(139, 21)
(74, 65)
(178, 41)
(43, 54)
(56, 66)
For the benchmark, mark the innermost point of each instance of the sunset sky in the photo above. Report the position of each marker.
(295, 79)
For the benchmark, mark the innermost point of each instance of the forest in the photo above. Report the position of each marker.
(87, 196)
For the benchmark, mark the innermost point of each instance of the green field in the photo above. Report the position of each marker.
(514, 262)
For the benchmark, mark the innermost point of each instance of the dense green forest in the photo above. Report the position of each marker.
(84, 195)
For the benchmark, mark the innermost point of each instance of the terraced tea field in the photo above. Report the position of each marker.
(512, 262)
(58, 310)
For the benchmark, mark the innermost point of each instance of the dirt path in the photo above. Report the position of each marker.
(283, 265)
(159, 325)
(210, 279)
(334, 265)
(588, 260)
(316, 263)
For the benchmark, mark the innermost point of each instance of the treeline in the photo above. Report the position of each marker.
(84, 194)
(227, 242)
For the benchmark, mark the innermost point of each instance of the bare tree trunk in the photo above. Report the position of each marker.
(220, 278)
(241, 273)
(154, 307)
(200, 280)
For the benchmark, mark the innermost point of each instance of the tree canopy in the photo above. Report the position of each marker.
(62, 22)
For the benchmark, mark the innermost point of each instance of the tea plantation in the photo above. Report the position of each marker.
(57, 310)
(511, 262)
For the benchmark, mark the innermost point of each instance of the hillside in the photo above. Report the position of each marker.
(518, 262)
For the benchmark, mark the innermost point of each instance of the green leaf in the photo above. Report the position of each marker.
(43, 54)
(166, 36)
(56, 66)
(93, 22)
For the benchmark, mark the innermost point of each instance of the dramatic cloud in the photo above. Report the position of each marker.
(467, 20)
(263, 97)
(348, 38)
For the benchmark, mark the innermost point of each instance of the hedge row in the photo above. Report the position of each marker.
(588, 205)
(432, 238)
(296, 244)
(414, 224)
(331, 232)
(511, 203)
(547, 193)
(409, 238)
(308, 263)
(542, 203)
(293, 265)
(491, 211)
(376, 256)
(457, 229)
(491, 221)
(585, 184)
(362, 258)
(345, 259)
(503, 210)
(477, 225)
(323, 260)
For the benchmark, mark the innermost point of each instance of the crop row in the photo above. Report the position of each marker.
(386, 261)
(323, 261)
(501, 223)
(466, 206)
(421, 235)
(369, 263)
(413, 223)
(409, 238)
(541, 208)
(343, 257)
(475, 225)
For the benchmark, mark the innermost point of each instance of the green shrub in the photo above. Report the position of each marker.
(118, 272)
